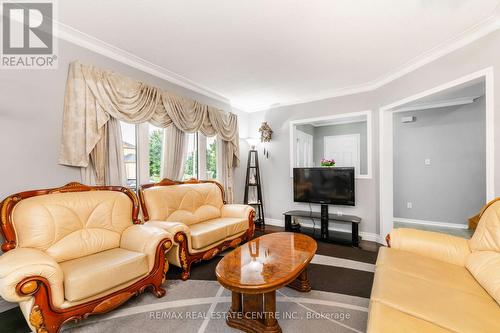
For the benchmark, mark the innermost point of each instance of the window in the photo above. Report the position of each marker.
(211, 161)
(201, 158)
(155, 153)
(143, 151)
(129, 138)
(191, 164)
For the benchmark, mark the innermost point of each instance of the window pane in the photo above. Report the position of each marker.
(155, 151)
(130, 153)
(191, 165)
(211, 168)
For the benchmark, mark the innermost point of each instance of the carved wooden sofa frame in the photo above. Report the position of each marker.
(46, 317)
(180, 238)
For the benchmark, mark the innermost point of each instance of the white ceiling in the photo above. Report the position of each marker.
(259, 53)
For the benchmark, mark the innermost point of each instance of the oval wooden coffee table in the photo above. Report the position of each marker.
(255, 270)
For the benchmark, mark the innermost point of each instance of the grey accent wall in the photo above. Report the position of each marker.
(452, 187)
(341, 129)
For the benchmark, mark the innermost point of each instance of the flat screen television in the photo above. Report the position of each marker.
(325, 185)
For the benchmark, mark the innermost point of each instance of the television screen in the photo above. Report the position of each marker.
(333, 185)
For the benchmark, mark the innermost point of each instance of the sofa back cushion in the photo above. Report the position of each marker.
(484, 261)
(186, 203)
(485, 267)
(487, 234)
(72, 224)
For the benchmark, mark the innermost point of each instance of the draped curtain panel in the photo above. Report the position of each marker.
(174, 153)
(116, 162)
(94, 96)
(108, 156)
(226, 172)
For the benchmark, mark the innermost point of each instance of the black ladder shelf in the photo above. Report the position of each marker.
(253, 171)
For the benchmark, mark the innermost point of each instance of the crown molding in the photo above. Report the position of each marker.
(468, 36)
(82, 39)
(479, 30)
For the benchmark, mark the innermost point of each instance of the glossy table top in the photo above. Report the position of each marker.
(266, 263)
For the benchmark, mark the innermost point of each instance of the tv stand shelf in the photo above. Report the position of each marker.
(325, 232)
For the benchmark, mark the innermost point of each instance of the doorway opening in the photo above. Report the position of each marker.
(436, 156)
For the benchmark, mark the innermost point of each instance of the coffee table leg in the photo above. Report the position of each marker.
(236, 302)
(270, 309)
(301, 283)
(254, 313)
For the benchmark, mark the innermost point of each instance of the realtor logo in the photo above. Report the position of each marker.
(28, 35)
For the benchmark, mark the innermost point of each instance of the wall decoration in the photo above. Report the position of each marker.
(265, 132)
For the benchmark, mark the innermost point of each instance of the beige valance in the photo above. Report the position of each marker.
(94, 95)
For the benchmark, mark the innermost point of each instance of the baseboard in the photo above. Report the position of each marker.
(275, 222)
(431, 223)
(368, 236)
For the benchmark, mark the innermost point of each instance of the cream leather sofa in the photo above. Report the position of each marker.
(432, 282)
(75, 251)
(196, 214)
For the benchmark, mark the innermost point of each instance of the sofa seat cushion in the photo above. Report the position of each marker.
(233, 225)
(88, 276)
(206, 233)
(386, 319)
(209, 232)
(433, 301)
(438, 272)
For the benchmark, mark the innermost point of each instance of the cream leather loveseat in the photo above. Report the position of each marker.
(196, 214)
(75, 251)
(432, 282)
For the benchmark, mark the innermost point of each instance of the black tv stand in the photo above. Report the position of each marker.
(324, 222)
(325, 218)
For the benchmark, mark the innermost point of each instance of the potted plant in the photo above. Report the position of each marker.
(327, 163)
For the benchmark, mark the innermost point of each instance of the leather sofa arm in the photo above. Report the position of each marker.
(236, 210)
(433, 245)
(145, 238)
(19, 264)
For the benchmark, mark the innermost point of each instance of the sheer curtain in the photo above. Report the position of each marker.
(108, 156)
(174, 153)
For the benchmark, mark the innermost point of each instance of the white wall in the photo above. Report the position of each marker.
(275, 171)
(31, 112)
(31, 109)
